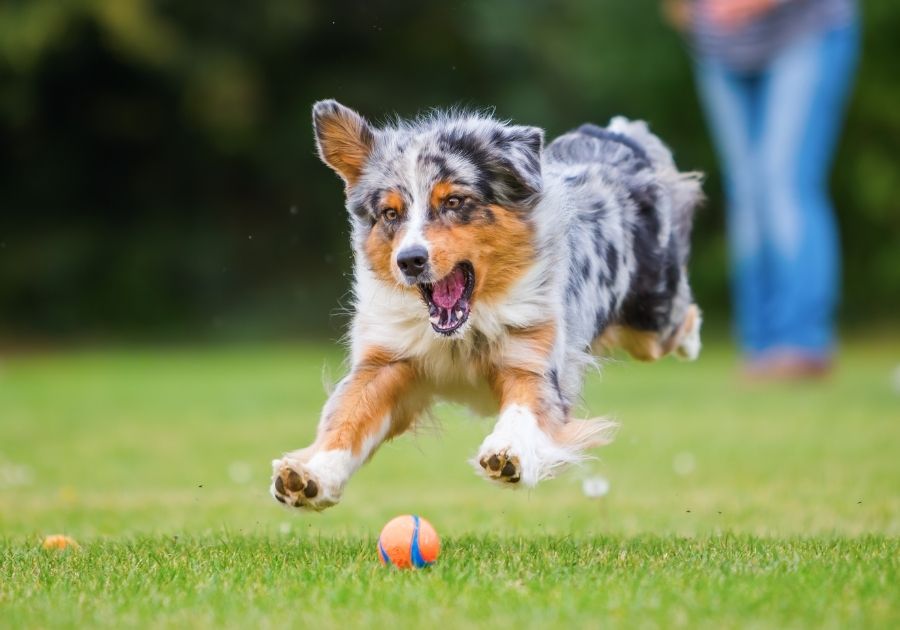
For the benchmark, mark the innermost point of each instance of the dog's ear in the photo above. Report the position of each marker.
(519, 160)
(343, 137)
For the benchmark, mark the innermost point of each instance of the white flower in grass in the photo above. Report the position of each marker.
(684, 464)
(240, 472)
(595, 487)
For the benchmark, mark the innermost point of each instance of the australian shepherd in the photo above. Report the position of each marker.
(489, 269)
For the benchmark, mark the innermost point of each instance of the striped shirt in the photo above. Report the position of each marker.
(752, 46)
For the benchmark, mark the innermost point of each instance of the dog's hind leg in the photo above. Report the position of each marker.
(375, 402)
(687, 339)
(651, 345)
(658, 317)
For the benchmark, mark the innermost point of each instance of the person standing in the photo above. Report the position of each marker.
(774, 77)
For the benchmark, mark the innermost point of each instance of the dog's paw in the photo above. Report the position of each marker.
(298, 485)
(518, 453)
(689, 343)
(502, 466)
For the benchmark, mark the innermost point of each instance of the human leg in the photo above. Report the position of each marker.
(731, 106)
(805, 91)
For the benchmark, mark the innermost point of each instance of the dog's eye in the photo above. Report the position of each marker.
(453, 202)
(390, 214)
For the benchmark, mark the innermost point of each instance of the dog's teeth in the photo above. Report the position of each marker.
(459, 313)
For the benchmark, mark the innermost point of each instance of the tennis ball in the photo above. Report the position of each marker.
(408, 542)
(59, 541)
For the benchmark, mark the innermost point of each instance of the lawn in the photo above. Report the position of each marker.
(728, 504)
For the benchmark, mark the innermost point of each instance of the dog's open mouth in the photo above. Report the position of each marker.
(448, 299)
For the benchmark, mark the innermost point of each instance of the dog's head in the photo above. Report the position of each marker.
(440, 206)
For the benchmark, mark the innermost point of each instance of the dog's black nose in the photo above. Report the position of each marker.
(412, 261)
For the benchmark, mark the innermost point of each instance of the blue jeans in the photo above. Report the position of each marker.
(775, 131)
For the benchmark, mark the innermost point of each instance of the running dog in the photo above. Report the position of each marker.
(489, 269)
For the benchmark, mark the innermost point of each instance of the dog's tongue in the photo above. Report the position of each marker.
(448, 290)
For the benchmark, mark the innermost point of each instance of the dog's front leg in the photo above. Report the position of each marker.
(534, 438)
(521, 449)
(369, 405)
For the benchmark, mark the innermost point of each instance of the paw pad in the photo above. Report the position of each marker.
(294, 488)
(502, 467)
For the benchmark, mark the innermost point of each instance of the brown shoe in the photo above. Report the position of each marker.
(788, 365)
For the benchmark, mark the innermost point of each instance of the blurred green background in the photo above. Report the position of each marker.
(158, 179)
(158, 185)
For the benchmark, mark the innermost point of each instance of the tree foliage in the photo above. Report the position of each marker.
(157, 172)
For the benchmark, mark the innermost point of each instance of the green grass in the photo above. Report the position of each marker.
(730, 505)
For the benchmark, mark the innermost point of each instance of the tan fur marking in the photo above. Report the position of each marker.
(515, 386)
(378, 251)
(541, 337)
(440, 192)
(345, 143)
(529, 387)
(535, 342)
(379, 243)
(646, 345)
(376, 384)
(500, 251)
(526, 385)
(643, 345)
(392, 199)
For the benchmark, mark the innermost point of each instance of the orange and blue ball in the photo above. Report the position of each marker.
(408, 542)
